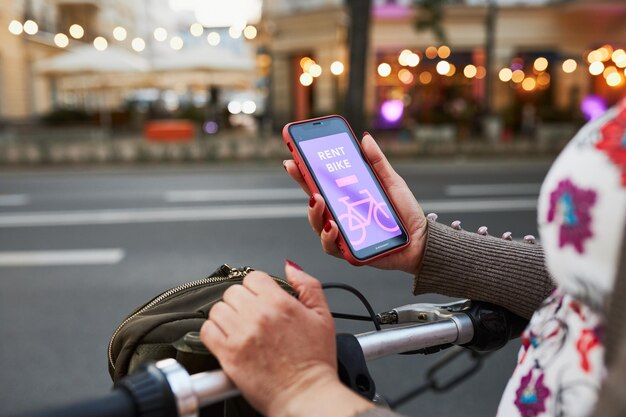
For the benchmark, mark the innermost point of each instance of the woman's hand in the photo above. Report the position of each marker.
(408, 209)
(278, 350)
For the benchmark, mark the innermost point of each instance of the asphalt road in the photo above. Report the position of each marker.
(79, 249)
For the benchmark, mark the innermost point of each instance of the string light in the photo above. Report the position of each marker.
(160, 34)
(614, 79)
(196, 29)
(77, 31)
(16, 27)
(443, 67)
(306, 79)
(61, 40)
(469, 71)
(384, 69)
(250, 32)
(569, 66)
(505, 74)
(138, 44)
(336, 68)
(176, 43)
(213, 38)
(30, 27)
(100, 43)
(120, 34)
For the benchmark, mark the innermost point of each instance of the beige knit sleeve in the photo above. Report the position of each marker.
(378, 412)
(462, 264)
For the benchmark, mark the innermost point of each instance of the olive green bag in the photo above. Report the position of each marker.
(167, 327)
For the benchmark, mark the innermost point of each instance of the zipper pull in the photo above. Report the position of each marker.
(238, 272)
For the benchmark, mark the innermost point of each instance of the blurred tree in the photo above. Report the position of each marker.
(430, 17)
(358, 38)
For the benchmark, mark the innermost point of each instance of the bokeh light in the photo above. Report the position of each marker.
(443, 52)
(336, 68)
(443, 67)
(234, 107)
(543, 79)
(138, 44)
(614, 79)
(100, 43)
(431, 52)
(596, 68)
(392, 110)
(608, 71)
(77, 31)
(426, 77)
(540, 64)
(413, 60)
(30, 27)
(61, 40)
(505, 74)
(248, 107)
(315, 70)
(235, 32)
(451, 71)
(213, 38)
(160, 34)
(403, 58)
(306, 79)
(594, 56)
(120, 34)
(196, 29)
(518, 76)
(16, 27)
(593, 106)
(529, 84)
(176, 43)
(481, 72)
(469, 71)
(384, 69)
(405, 76)
(569, 66)
(250, 32)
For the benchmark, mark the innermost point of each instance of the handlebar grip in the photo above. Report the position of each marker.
(117, 403)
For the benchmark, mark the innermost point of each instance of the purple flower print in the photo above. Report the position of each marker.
(571, 206)
(530, 397)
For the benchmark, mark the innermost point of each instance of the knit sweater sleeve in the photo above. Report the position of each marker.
(461, 264)
(378, 412)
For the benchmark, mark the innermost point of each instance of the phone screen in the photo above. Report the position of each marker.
(352, 192)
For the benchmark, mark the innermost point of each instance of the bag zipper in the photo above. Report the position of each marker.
(231, 273)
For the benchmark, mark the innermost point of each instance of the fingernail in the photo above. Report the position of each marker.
(456, 225)
(312, 201)
(327, 226)
(366, 133)
(285, 166)
(432, 217)
(293, 264)
(507, 236)
(529, 239)
(483, 231)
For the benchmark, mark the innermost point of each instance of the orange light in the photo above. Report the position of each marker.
(431, 52)
(518, 76)
(543, 79)
(614, 79)
(540, 64)
(451, 71)
(569, 66)
(426, 77)
(608, 71)
(469, 71)
(529, 84)
(505, 75)
(405, 76)
(443, 52)
(481, 72)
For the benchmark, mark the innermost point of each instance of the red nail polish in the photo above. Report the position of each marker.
(312, 201)
(328, 226)
(366, 133)
(293, 264)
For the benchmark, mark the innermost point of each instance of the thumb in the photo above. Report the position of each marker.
(386, 174)
(309, 289)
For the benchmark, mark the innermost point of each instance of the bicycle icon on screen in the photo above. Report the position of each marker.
(357, 223)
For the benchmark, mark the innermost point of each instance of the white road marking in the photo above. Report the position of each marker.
(188, 196)
(7, 200)
(477, 190)
(62, 257)
(235, 212)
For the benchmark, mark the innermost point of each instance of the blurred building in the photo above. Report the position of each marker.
(540, 64)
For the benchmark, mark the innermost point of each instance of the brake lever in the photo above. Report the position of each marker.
(423, 312)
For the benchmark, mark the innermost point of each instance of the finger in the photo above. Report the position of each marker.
(262, 284)
(212, 336)
(225, 317)
(294, 173)
(387, 175)
(238, 297)
(317, 205)
(309, 289)
(329, 239)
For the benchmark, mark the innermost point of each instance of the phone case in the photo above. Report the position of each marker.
(310, 182)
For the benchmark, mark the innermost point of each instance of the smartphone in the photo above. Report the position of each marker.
(332, 163)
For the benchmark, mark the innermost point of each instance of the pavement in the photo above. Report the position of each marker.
(81, 247)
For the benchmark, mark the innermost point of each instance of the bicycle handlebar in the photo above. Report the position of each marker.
(183, 395)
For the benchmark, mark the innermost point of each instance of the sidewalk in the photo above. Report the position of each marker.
(135, 150)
